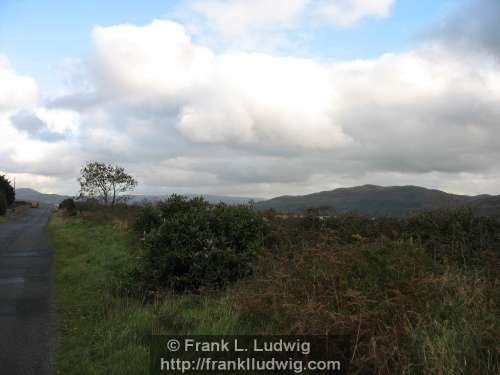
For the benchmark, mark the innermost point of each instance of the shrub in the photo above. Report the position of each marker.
(8, 190)
(69, 206)
(455, 235)
(190, 244)
(148, 219)
(3, 204)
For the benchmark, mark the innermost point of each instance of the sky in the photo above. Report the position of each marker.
(252, 98)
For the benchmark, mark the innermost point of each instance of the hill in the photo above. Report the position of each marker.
(27, 194)
(376, 200)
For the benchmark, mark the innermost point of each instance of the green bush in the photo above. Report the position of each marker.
(69, 206)
(148, 219)
(191, 244)
(455, 235)
(8, 190)
(3, 204)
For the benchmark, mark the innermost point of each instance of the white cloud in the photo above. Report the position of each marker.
(264, 100)
(263, 24)
(345, 13)
(237, 17)
(15, 90)
(235, 97)
(156, 59)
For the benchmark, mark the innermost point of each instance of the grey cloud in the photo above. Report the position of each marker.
(35, 128)
(27, 122)
(472, 27)
(78, 101)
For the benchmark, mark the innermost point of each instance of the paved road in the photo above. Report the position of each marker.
(26, 318)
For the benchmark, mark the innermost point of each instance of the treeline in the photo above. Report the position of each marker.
(7, 194)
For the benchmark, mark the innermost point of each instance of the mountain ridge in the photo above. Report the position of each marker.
(378, 200)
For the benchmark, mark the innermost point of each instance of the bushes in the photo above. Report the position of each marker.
(8, 190)
(148, 219)
(190, 244)
(3, 203)
(455, 235)
(448, 235)
(69, 206)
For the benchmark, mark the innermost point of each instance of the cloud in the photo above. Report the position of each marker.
(262, 102)
(150, 61)
(346, 13)
(33, 150)
(15, 90)
(472, 27)
(35, 127)
(237, 17)
(266, 25)
(235, 97)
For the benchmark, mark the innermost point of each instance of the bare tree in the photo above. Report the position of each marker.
(104, 181)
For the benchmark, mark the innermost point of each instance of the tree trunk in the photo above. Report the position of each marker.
(114, 196)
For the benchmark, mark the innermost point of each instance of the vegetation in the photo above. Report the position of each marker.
(417, 295)
(68, 206)
(412, 303)
(3, 203)
(101, 331)
(190, 244)
(104, 182)
(7, 190)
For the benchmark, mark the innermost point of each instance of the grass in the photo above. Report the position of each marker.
(406, 312)
(100, 331)
(3, 220)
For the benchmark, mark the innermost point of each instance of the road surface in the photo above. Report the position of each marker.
(26, 294)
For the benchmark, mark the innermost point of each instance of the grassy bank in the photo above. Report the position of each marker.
(416, 297)
(101, 332)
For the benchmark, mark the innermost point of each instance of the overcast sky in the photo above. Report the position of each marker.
(252, 98)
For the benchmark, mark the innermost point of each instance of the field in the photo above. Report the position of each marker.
(416, 296)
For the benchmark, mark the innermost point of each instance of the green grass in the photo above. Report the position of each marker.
(3, 220)
(102, 333)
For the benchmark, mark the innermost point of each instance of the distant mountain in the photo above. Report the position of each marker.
(27, 194)
(381, 201)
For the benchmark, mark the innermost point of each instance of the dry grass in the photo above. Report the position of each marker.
(405, 312)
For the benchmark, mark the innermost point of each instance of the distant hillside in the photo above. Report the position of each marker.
(381, 201)
(26, 194)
